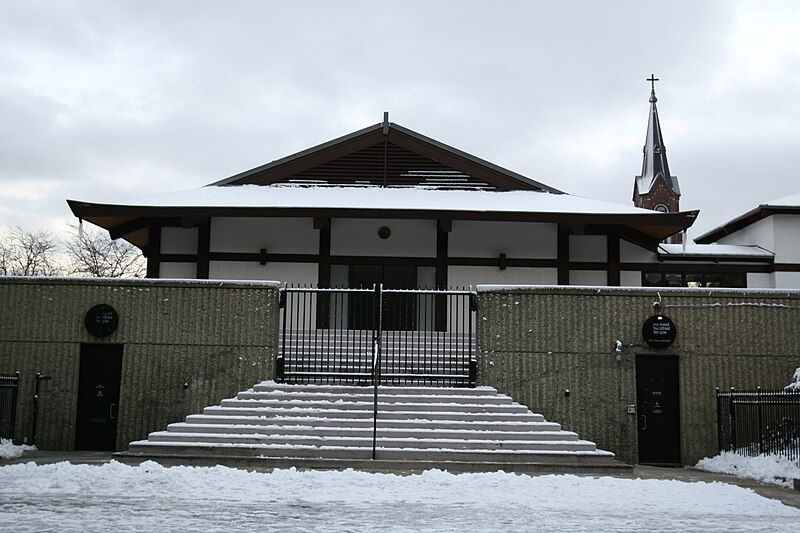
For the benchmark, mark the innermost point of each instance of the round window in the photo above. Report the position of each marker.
(661, 208)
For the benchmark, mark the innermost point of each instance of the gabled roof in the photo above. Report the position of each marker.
(130, 219)
(654, 160)
(387, 154)
(788, 205)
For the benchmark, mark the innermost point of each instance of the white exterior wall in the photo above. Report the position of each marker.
(761, 233)
(178, 271)
(297, 273)
(528, 240)
(179, 240)
(787, 238)
(633, 253)
(760, 280)
(593, 248)
(409, 238)
(276, 235)
(460, 276)
(588, 277)
(630, 278)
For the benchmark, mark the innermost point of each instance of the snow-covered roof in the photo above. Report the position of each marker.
(405, 198)
(714, 250)
(787, 201)
(786, 205)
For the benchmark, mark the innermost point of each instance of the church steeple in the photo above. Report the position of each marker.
(656, 188)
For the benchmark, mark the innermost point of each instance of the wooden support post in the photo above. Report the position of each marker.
(203, 249)
(323, 271)
(443, 228)
(613, 269)
(154, 252)
(563, 254)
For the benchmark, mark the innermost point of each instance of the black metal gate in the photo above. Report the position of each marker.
(394, 336)
(9, 390)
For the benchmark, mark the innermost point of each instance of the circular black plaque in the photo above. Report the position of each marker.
(384, 232)
(101, 320)
(659, 331)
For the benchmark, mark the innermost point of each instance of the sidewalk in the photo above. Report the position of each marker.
(689, 475)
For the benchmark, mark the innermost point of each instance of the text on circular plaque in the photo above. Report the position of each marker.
(101, 320)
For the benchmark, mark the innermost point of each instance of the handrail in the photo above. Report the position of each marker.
(376, 366)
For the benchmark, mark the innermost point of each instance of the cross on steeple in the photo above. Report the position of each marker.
(652, 79)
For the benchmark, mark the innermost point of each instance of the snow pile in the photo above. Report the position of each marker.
(115, 496)
(774, 469)
(9, 450)
(794, 386)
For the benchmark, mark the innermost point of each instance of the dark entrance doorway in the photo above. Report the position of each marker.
(658, 406)
(399, 310)
(98, 397)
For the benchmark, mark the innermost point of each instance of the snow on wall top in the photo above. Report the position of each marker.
(714, 250)
(383, 198)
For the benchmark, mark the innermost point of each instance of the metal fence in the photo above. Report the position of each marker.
(9, 391)
(754, 422)
(421, 336)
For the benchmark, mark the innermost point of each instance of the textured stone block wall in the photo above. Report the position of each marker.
(216, 337)
(535, 342)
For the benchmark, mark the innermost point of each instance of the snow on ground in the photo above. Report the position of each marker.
(9, 450)
(150, 497)
(773, 469)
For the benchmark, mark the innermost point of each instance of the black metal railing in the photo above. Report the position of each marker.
(9, 392)
(425, 337)
(754, 422)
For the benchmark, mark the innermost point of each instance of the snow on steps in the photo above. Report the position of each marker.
(416, 425)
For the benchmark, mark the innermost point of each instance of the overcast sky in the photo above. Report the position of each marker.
(113, 100)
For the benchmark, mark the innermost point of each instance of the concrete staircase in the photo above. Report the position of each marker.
(331, 426)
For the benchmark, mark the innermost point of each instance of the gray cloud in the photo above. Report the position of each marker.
(114, 100)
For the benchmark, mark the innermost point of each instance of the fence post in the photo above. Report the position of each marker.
(719, 420)
(732, 418)
(760, 425)
(280, 364)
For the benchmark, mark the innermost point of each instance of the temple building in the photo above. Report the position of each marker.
(386, 204)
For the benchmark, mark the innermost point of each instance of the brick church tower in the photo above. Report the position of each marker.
(656, 188)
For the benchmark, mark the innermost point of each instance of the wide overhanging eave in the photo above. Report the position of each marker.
(121, 220)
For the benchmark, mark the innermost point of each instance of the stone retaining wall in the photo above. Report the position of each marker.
(535, 342)
(187, 344)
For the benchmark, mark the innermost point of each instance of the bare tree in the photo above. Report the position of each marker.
(28, 253)
(91, 253)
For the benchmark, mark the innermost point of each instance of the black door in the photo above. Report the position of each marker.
(98, 397)
(658, 409)
(398, 309)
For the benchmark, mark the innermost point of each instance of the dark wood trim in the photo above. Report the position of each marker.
(613, 261)
(563, 255)
(203, 248)
(484, 262)
(154, 252)
(324, 271)
(120, 230)
(442, 240)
